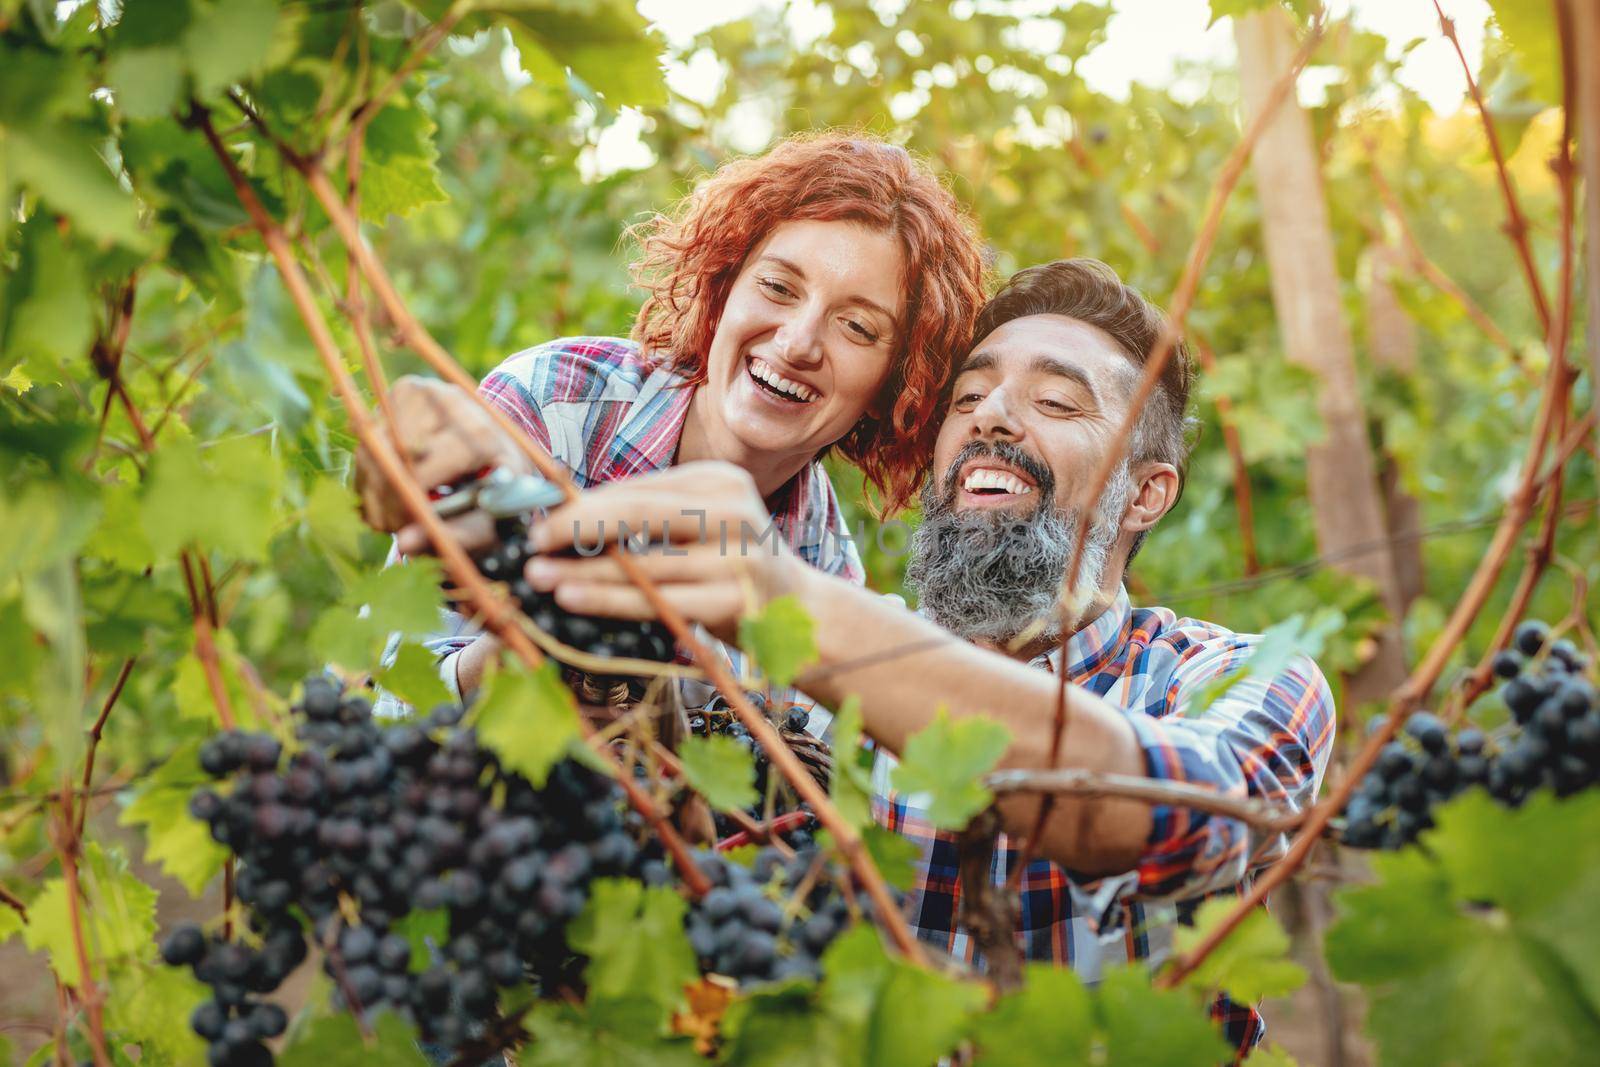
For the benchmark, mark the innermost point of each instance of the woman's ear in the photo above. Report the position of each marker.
(1157, 492)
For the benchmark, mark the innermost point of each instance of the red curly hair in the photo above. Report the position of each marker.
(690, 258)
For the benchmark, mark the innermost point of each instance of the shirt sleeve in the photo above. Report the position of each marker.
(1266, 738)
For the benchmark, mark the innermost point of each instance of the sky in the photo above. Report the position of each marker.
(1146, 41)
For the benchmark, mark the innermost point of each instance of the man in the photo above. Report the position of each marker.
(1032, 415)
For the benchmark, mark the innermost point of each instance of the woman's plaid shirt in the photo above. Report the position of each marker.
(1268, 738)
(604, 413)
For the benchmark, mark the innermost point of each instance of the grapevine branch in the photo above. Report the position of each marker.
(67, 842)
(1543, 550)
(1429, 270)
(1241, 470)
(1171, 333)
(844, 835)
(96, 730)
(1519, 508)
(1516, 225)
(1076, 781)
(14, 902)
(496, 613)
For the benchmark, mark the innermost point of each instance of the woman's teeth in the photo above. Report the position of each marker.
(984, 478)
(762, 372)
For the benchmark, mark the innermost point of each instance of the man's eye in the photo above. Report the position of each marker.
(968, 398)
(1057, 405)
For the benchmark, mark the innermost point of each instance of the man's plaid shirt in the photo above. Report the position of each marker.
(605, 413)
(1268, 738)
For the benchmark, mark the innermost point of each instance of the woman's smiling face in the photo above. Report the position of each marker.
(803, 347)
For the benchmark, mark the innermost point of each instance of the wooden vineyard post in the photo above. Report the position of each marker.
(1341, 470)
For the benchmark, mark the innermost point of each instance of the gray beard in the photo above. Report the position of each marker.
(990, 575)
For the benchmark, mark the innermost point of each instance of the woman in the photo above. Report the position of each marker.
(807, 299)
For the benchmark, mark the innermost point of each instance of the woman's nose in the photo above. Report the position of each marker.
(799, 339)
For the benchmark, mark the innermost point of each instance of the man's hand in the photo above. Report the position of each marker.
(713, 552)
(445, 435)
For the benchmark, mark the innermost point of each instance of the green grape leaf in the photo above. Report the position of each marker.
(419, 927)
(781, 638)
(59, 162)
(605, 1035)
(117, 914)
(851, 785)
(528, 719)
(226, 500)
(1271, 1054)
(119, 538)
(414, 678)
(47, 322)
(191, 689)
(636, 944)
(42, 524)
(897, 857)
(11, 923)
(1505, 898)
(399, 169)
(1531, 29)
(229, 40)
(1048, 1022)
(920, 1015)
(1149, 1027)
(855, 968)
(1250, 964)
(780, 1026)
(946, 760)
(332, 516)
(1279, 644)
(149, 1003)
(721, 770)
(336, 1041)
(605, 43)
(175, 840)
(402, 599)
(147, 82)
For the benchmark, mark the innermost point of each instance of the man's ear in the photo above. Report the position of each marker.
(1157, 492)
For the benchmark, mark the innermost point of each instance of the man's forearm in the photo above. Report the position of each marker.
(904, 668)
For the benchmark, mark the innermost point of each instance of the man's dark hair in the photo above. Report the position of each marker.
(1089, 291)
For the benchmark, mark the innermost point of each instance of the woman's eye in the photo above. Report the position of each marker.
(777, 288)
(968, 398)
(861, 331)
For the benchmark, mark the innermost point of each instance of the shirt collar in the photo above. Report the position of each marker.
(648, 437)
(1090, 648)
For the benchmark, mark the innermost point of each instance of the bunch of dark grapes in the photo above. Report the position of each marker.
(769, 921)
(372, 821)
(1553, 741)
(593, 634)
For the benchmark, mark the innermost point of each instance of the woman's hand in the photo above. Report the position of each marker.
(712, 549)
(446, 435)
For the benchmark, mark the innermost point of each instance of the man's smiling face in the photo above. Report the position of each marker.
(1035, 407)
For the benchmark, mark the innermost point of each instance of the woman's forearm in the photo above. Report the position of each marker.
(472, 661)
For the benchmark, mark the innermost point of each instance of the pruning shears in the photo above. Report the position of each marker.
(498, 491)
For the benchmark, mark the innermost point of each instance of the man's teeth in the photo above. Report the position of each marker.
(763, 370)
(984, 478)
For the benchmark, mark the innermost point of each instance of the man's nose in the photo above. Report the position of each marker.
(799, 338)
(993, 416)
